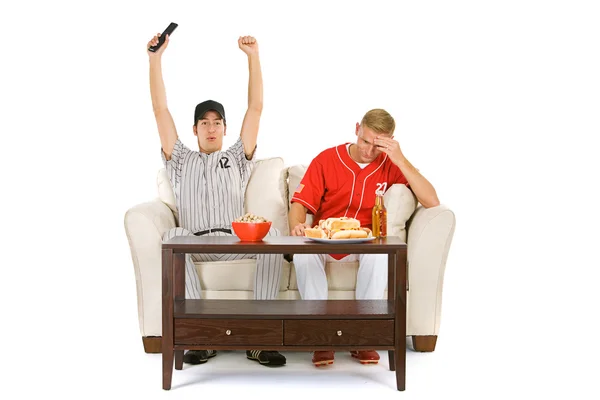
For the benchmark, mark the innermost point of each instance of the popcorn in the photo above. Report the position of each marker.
(249, 217)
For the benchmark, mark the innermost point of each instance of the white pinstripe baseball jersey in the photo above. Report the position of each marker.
(209, 188)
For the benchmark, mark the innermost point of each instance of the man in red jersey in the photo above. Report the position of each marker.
(341, 182)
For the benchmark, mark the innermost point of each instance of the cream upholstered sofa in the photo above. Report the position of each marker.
(428, 233)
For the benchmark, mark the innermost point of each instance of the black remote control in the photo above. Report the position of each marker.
(161, 38)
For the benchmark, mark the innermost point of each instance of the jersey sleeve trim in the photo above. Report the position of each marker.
(309, 206)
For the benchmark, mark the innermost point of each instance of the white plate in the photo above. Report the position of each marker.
(340, 241)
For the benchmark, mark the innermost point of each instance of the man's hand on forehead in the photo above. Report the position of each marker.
(388, 146)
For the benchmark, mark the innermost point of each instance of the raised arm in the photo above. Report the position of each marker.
(249, 132)
(164, 121)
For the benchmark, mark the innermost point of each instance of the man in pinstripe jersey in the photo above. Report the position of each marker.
(209, 184)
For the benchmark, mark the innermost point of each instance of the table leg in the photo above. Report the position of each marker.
(167, 317)
(179, 276)
(178, 359)
(400, 337)
(391, 296)
(179, 294)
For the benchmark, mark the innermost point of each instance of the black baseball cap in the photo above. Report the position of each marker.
(208, 105)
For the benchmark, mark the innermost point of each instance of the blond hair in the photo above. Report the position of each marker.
(379, 121)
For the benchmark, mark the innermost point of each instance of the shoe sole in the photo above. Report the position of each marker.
(369, 362)
(365, 362)
(202, 360)
(322, 363)
(267, 363)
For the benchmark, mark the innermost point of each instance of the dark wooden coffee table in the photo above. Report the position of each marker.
(300, 325)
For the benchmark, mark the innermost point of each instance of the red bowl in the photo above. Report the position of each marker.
(251, 231)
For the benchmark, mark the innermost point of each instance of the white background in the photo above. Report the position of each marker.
(497, 103)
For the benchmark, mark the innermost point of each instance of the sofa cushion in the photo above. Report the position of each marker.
(400, 203)
(295, 174)
(340, 275)
(265, 194)
(166, 193)
(234, 275)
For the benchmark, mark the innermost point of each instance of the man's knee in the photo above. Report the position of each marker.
(303, 262)
(174, 232)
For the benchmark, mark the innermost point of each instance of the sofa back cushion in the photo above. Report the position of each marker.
(265, 194)
(399, 201)
(165, 192)
(295, 174)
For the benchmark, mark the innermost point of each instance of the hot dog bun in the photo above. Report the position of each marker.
(315, 233)
(348, 234)
(340, 223)
(338, 228)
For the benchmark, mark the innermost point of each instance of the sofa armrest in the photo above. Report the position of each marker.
(145, 225)
(430, 233)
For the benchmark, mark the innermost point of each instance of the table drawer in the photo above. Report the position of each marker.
(338, 332)
(228, 331)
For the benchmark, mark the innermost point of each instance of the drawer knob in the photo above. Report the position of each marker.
(339, 333)
(228, 332)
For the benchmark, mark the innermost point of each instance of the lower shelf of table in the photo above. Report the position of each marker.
(285, 309)
(251, 346)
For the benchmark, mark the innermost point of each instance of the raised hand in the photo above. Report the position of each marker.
(390, 147)
(248, 44)
(154, 42)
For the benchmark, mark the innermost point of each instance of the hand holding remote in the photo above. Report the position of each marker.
(159, 43)
(153, 43)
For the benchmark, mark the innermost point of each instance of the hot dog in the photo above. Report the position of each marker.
(315, 233)
(348, 234)
(338, 228)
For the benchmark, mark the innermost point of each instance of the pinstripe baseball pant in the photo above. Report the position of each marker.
(268, 267)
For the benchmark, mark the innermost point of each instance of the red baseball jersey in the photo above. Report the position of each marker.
(336, 186)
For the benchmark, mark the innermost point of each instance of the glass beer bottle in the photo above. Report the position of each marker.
(379, 216)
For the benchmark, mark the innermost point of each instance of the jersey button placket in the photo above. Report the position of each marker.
(359, 184)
